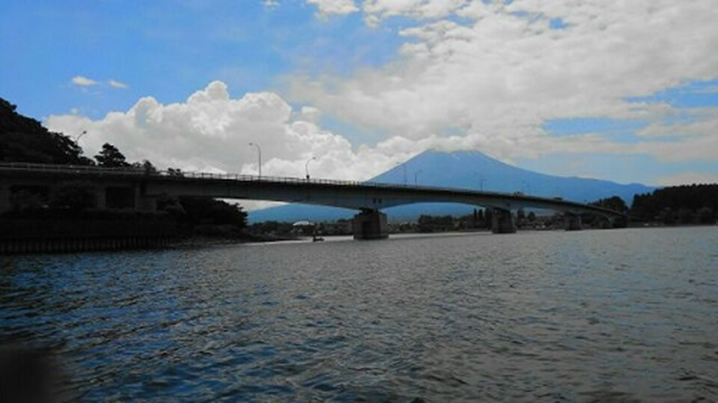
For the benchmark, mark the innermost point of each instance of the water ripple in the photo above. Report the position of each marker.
(592, 316)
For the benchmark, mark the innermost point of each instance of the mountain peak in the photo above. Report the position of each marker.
(465, 170)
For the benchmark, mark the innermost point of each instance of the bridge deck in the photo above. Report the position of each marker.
(338, 193)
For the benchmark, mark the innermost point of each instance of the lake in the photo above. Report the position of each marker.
(613, 315)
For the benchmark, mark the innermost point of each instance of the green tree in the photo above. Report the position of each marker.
(146, 166)
(74, 196)
(28, 199)
(23, 139)
(531, 216)
(667, 216)
(685, 216)
(206, 210)
(653, 206)
(705, 215)
(111, 157)
(614, 203)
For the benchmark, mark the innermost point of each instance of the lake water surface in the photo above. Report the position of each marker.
(615, 315)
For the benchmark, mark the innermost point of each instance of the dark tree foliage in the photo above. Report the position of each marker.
(73, 196)
(111, 157)
(531, 217)
(28, 199)
(146, 166)
(427, 223)
(23, 139)
(205, 210)
(614, 203)
(272, 228)
(488, 218)
(471, 221)
(678, 204)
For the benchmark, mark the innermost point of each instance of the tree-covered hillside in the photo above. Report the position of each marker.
(24, 139)
(685, 204)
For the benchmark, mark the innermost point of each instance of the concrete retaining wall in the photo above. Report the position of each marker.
(63, 235)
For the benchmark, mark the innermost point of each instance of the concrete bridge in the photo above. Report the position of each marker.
(139, 189)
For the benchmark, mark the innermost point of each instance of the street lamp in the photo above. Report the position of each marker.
(525, 187)
(77, 139)
(481, 181)
(416, 174)
(403, 166)
(259, 154)
(306, 166)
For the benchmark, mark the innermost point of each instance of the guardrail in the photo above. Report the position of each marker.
(177, 174)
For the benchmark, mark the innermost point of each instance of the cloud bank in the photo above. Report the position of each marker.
(501, 70)
(470, 75)
(210, 131)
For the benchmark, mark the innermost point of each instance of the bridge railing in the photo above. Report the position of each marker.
(35, 167)
(180, 175)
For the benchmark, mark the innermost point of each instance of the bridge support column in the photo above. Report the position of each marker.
(147, 204)
(604, 222)
(5, 204)
(370, 224)
(572, 222)
(144, 202)
(100, 198)
(502, 222)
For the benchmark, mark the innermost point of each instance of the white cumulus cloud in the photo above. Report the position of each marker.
(211, 131)
(83, 81)
(117, 84)
(334, 7)
(498, 73)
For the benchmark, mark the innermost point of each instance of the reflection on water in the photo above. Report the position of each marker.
(581, 316)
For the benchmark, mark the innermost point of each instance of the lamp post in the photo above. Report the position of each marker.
(481, 183)
(416, 175)
(525, 187)
(404, 167)
(306, 166)
(79, 136)
(259, 155)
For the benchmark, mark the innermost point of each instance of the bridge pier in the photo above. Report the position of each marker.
(370, 224)
(147, 204)
(604, 222)
(572, 222)
(5, 204)
(502, 222)
(144, 202)
(100, 198)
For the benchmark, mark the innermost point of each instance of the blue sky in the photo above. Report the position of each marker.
(170, 49)
(624, 92)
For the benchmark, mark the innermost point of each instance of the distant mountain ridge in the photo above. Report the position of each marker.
(467, 170)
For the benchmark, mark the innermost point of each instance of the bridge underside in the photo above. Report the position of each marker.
(368, 224)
